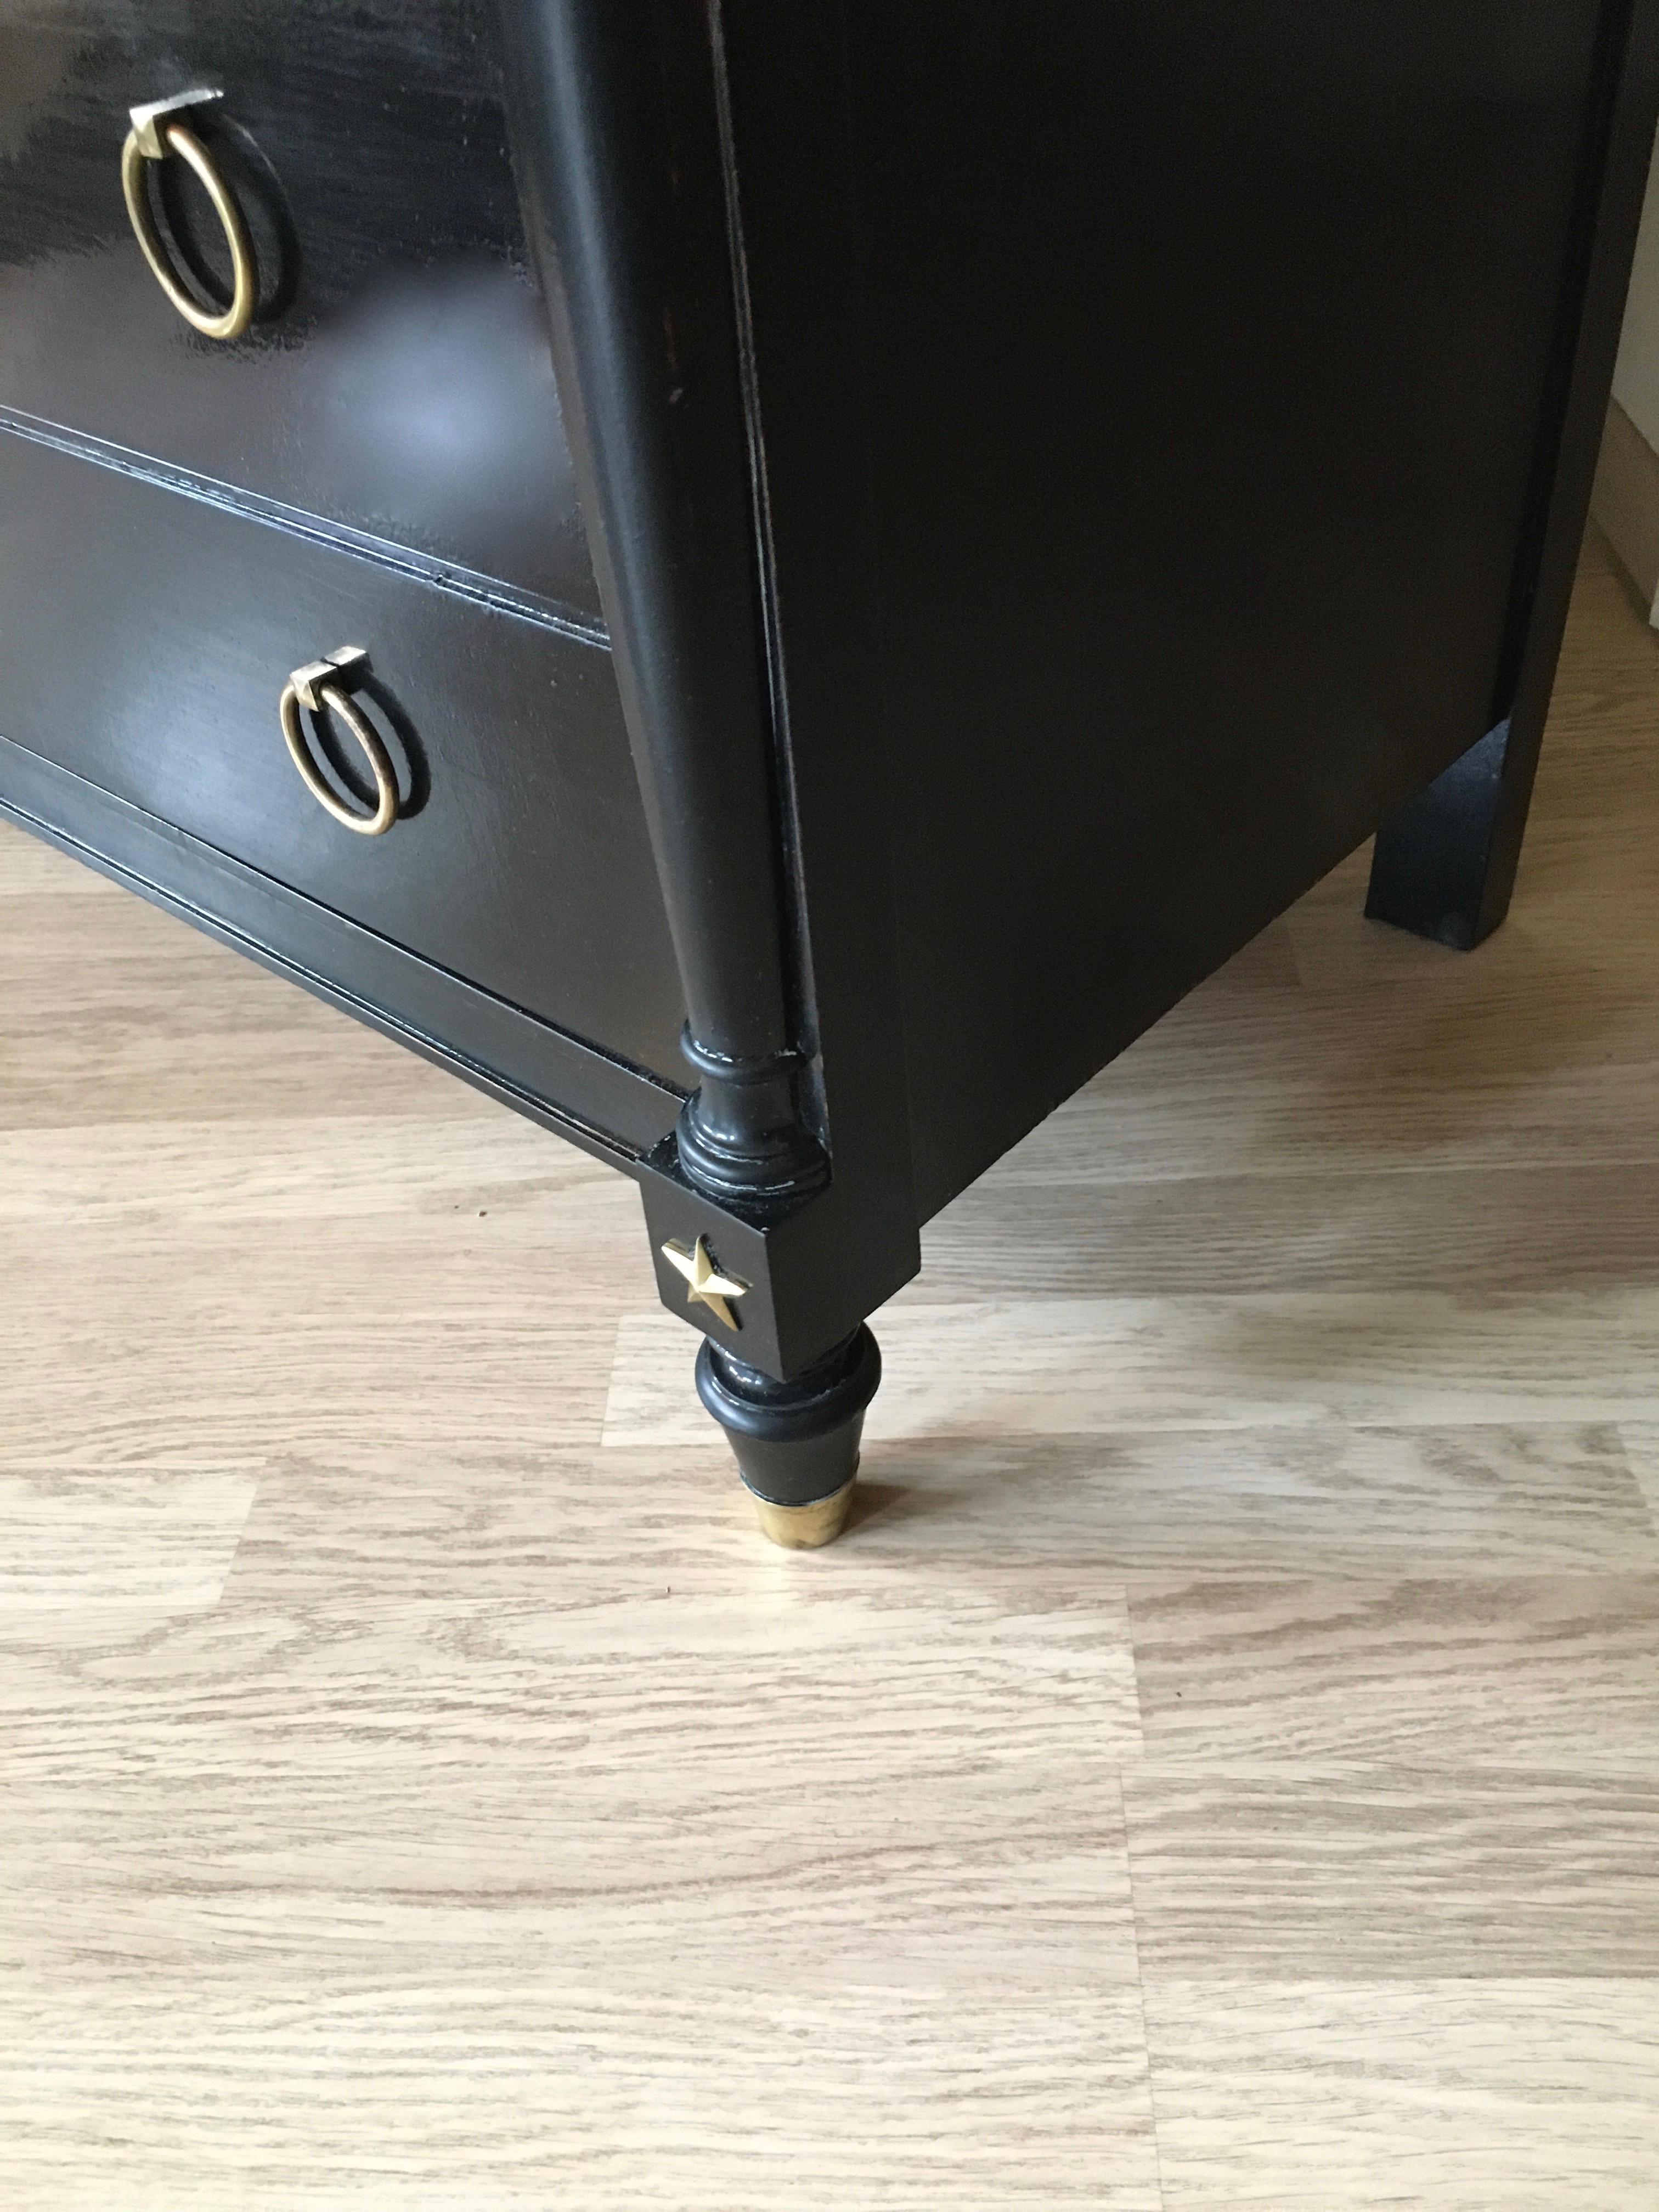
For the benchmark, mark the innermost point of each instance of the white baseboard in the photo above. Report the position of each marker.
(1625, 503)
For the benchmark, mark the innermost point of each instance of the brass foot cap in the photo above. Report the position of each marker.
(805, 1527)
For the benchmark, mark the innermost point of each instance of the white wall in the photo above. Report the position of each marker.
(1636, 380)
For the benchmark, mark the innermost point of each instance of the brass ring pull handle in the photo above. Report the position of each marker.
(152, 139)
(324, 686)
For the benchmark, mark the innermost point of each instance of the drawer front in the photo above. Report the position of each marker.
(145, 639)
(396, 377)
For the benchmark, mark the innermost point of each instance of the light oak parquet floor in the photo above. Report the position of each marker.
(1221, 1766)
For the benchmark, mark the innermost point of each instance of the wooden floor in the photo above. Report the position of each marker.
(1220, 1767)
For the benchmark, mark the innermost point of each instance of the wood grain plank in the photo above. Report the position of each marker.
(192, 1346)
(1542, 1227)
(979, 1888)
(87, 1043)
(141, 1070)
(342, 1167)
(1496, 2096)
(653, 1700)
(1252, 1502)
(1364, 1871)
(367, 1525)
(79, 1537)
(1060, 1366)
(439, 2091)
(1640, 1440)
(29, 866)
(1328, 1090)
(1514, 1671)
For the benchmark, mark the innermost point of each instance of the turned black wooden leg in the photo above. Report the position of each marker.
(1444, 866)
(797, 1444)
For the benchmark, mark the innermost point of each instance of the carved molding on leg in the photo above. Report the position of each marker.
(796, 1443)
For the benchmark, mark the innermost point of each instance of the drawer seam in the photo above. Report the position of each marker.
(475, 590)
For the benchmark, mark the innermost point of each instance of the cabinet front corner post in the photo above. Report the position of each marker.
(623, 163)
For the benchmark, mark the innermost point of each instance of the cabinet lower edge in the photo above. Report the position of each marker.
(611, 1111)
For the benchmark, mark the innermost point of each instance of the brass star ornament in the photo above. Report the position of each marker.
(705, 1285)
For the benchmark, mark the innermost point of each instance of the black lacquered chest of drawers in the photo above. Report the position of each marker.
(772, 584)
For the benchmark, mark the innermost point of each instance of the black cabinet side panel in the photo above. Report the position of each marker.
(1208, 347)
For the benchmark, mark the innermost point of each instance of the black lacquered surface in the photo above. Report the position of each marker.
(521, 861)
(1210, 353)
(396, 376)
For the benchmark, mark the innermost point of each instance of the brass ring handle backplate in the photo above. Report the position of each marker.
(153, 136)
(324, 686)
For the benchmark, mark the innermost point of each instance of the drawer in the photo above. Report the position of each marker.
(396, 376)
(145, 639)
